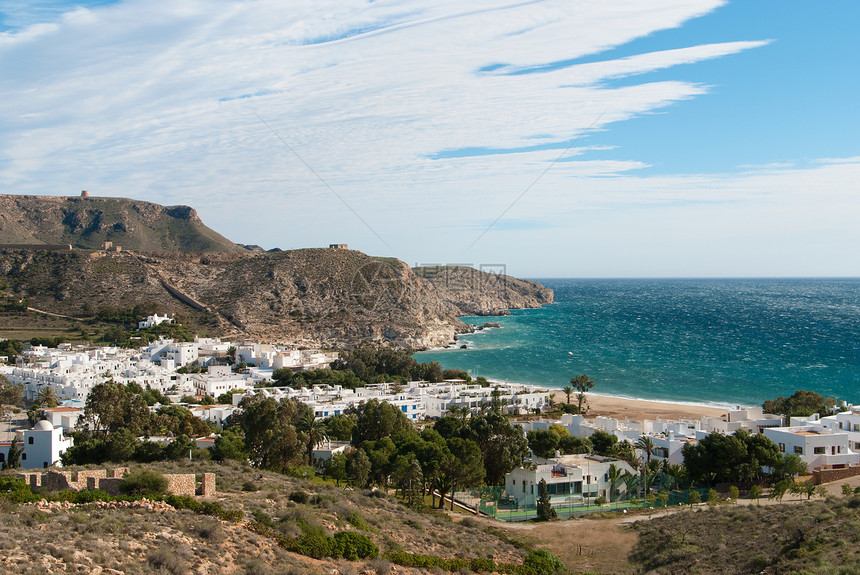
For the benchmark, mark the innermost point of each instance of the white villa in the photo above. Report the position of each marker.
(42, 446)
(154, 320)
(815, 444)
(570, 479)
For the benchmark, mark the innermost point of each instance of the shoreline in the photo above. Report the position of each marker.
(622, 408)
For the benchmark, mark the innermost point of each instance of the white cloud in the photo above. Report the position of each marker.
(158, 100)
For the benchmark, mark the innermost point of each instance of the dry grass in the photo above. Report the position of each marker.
(135, 541)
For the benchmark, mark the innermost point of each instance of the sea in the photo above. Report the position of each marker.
(721, 342)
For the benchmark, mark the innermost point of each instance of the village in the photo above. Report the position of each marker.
(829, 446)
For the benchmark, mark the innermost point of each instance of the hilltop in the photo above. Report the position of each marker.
(172, 263)
(88, 222)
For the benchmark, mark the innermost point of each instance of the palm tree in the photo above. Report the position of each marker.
(315, 431)
(675, 473)
(567, 389)
(47, 397)
(582, 383)
(646, 445)
(631, 482)
(614, 474)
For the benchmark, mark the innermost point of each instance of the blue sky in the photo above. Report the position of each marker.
(563, 139)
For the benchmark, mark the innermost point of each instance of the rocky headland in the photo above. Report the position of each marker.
(320, 297)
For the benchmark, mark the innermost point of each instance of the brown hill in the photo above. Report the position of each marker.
(87, 222)
(314, 297)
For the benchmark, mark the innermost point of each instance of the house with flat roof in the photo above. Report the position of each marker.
(570, 479)
(818, 446)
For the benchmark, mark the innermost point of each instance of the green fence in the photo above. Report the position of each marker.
(494, 503)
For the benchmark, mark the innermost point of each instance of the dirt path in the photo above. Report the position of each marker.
(51, 314)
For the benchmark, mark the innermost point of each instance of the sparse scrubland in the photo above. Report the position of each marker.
(289, 525)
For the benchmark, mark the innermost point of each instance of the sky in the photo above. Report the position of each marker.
(556, 138)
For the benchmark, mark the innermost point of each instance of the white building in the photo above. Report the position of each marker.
(814, 444)
(570, 479)
(752, 419)
(847, 421)
(215, 385)
(42, 446)
(65, 417)
(154, 320)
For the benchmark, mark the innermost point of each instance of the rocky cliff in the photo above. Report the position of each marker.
(475, 292)
(172, 262)
(314, 297)
(87, 222)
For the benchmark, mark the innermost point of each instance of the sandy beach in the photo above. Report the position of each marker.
(622, 408)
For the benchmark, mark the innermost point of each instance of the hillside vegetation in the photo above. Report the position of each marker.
(814, 537)
(312, 297)
(278, 511)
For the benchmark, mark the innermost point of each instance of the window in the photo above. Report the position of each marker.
(24, 457)
(30, 440)
(798, 450)
(782, 448)
(2, 458)
(818, 450)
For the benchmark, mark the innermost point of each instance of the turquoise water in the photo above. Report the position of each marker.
(722, 341)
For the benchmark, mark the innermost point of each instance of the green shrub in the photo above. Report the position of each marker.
(15, 490)
(263, 518)
(352, 546)
(482, 564)
(90, 496)
(146, 482)
(355, 519)
(542, 562)
(299, 497)
(311, 544)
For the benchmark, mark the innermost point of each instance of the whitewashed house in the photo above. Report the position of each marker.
(570, 479)
(42, 446)
(814, 444)
(154, 320)
(847, 421)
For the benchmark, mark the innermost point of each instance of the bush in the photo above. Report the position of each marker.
(355, 519)
(15, 490)
(146, 482)
(299, 497)
(542, 562)
(311, 544)
(90, 496)
(352, 546)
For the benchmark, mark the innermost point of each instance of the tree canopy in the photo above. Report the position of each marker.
(801, 404)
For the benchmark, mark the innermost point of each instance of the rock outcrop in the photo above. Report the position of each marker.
(475, 292)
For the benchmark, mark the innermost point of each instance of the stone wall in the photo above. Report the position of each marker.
(207, 489)
(110, 480)
(827, 475)
(181, 484)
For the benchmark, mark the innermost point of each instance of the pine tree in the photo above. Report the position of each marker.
(545, 512)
